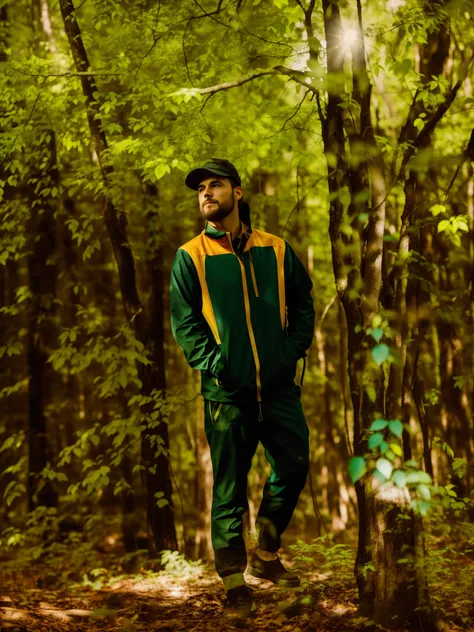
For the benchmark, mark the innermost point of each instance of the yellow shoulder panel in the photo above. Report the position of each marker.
(198, 249)
(260, 238)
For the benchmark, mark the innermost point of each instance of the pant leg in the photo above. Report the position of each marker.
(232, 434)
(285, 437)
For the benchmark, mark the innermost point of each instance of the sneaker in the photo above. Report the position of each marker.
(238, 605)
(273, 571)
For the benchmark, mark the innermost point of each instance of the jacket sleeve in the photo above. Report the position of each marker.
(299, 302)
(188, 325)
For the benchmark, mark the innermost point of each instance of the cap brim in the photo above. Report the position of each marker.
(196, 176)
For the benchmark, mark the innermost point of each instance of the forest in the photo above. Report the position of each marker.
(351, 124)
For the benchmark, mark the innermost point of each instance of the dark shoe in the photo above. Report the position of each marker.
(238, 605)
(272, 570)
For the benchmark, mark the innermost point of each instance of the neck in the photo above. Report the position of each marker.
(230, 224)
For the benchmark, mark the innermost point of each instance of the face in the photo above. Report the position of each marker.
(217, 198)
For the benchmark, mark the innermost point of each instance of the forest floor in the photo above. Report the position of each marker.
(191, 599)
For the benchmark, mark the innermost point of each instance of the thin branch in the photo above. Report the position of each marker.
(72, 74)
(199, 17)
(211, 14)
(433, 121)
(298, 107)
(298, 201)
(295, 75)
(155, 42)
(205, 102)
(296, 111)
(468, 154)
(259, 37)
(233, 84)
(326, 310)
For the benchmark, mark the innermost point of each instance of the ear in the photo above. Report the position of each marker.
(238, 193)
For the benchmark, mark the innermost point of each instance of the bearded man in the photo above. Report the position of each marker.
(241, 310)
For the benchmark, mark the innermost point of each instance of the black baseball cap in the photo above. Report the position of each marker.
(213, 167)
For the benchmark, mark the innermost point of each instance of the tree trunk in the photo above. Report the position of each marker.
(203, 499)
(148, 331)
(388, 592)
(331, 451)
(155, 444)
(42, 284)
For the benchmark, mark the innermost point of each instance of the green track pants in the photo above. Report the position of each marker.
(233, 433)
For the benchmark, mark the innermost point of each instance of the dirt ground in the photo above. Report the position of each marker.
(170, 603)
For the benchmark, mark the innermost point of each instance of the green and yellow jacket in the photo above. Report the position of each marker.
(242, 312)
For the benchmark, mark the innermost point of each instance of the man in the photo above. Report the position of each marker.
(241, 310)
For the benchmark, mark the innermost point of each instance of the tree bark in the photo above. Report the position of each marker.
(203, 489)
(155, 444)
(386, 592)
(42, 284)
(148, 330)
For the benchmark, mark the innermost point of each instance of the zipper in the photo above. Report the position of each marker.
(254, 278)
(249, 325)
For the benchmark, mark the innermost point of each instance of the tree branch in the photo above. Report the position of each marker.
(233, 84)
(74, 74)
(295, 75)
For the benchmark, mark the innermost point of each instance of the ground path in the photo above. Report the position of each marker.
(173, 603)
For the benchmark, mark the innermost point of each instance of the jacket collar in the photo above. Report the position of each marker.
(209, 231)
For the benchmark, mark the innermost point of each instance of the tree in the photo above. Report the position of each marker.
(155, 440)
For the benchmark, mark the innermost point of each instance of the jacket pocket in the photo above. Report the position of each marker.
(285, 365)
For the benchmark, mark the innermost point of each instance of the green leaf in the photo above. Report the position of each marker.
(380, 353)
(162, 502)
(396, 449)
(371, 393)
(161, 170)
(424, 492)
(378, 424)
(419, 477)
(377, 334)
(357, 468)
(423, 506)
(437, 209)
(444, 225)
(375, 440)
(396, 427)
(399, 478)
(379, 476)
(384, 467)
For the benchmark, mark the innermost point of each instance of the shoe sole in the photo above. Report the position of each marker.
(284, 583)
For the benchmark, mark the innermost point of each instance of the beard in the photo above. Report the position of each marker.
(219, 210)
